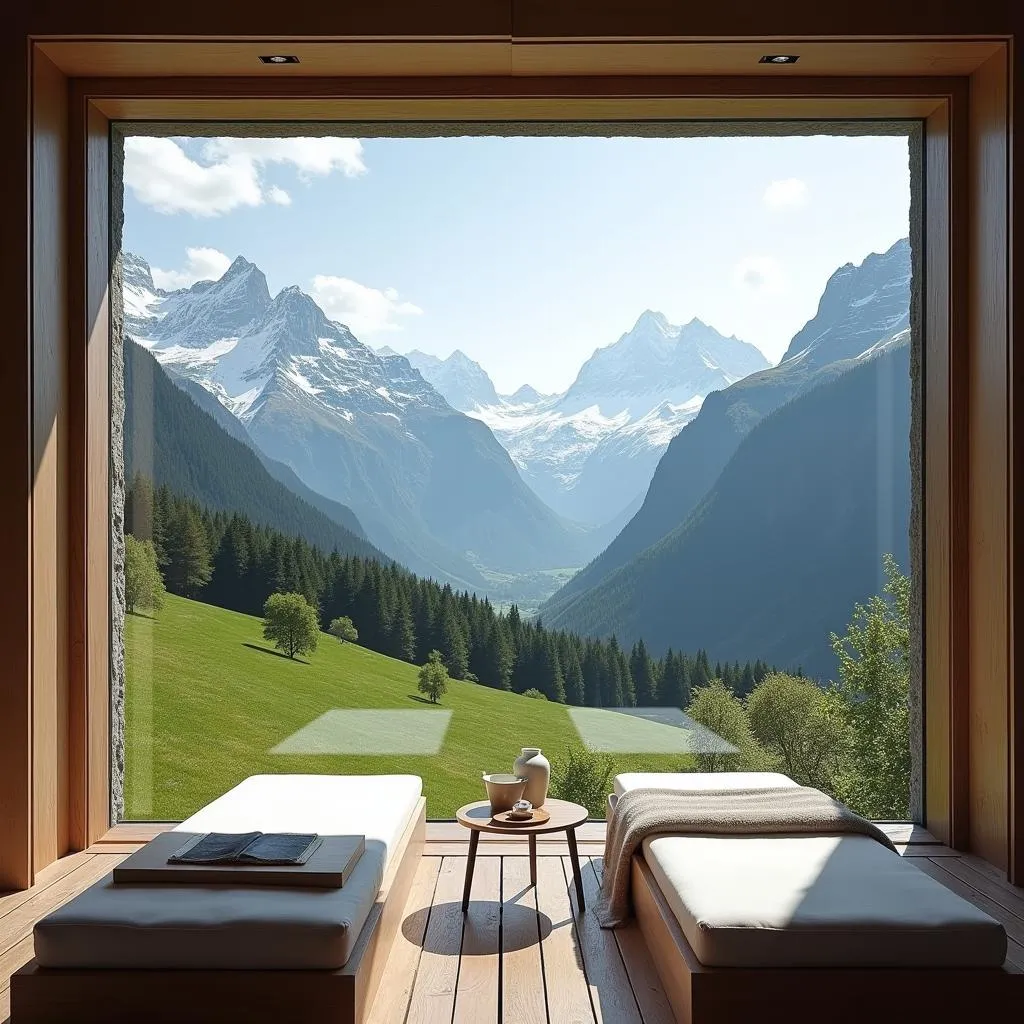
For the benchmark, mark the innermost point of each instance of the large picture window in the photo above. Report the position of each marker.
(436, 448)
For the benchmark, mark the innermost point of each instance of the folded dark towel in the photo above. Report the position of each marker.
(247, 848)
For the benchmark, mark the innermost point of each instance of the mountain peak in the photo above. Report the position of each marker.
(526, 395)
(298, 321)
(239, 266)
(860, 305)
(136, 271)
(652, 318)
(462, 382)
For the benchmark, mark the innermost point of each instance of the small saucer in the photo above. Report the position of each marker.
(538, 816)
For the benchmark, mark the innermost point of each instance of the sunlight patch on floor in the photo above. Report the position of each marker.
(645, 731)
(370, 731)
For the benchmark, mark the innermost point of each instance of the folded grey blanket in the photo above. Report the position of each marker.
(713, 812)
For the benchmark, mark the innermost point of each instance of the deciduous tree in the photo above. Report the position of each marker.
(803, 725)
(143, 583)
(874, 672)
(433, 679)
(343, 628)
(732, 746)
(290, 622)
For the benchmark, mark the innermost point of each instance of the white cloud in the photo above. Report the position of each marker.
(201, 264)
(309, 156)
(363, 309)
(163, 176)
(786, 192)
(760, 275)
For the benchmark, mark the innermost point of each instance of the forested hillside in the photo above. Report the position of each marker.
(790, 537)
(170, 440)
(862, 309)
(227, 560)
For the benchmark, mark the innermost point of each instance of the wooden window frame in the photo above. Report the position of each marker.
(59, 792)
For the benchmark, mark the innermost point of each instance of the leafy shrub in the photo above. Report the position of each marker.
(722, 713)
(343, 629)
(143, 582)
(535, 693)
(584, 777)
(803, 725)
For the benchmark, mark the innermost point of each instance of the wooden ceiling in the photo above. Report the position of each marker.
(106, 58)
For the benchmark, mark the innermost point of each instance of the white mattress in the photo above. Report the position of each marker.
(700, 780)
(244, 927)
(814, 901)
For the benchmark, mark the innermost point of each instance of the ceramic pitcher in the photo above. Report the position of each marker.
(533, 766)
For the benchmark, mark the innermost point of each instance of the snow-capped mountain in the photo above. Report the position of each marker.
(590, 452)
(431, 486)
(463, 382)
(525, 395)
(860, 304)
(863, 313)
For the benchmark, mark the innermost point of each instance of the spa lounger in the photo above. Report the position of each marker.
(254, 953)
(808, 927)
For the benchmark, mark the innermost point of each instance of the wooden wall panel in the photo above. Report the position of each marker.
(1015, 284)
(89, 562)
(97, 462)
(989, 453)
(50, 457)
(940, 802)
(810, 19)
(15, 509)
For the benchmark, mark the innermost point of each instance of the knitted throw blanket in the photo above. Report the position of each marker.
(716, 812)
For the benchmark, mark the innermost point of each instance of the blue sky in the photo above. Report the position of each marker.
(526, 253)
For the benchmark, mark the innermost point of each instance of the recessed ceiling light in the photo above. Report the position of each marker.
(779, 58)
(280, 58)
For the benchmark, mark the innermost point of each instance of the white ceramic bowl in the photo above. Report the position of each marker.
(503, 790)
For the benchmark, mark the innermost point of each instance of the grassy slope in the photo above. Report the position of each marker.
(203, 710)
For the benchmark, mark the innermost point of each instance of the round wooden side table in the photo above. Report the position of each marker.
(565, 817)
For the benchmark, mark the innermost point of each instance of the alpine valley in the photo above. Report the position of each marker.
(677, 458)
(590, 453)
(768, 515)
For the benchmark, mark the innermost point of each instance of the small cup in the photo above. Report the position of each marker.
(503, 790)
(522, 810)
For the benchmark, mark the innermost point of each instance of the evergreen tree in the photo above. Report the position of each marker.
(641, 670)
(747, 683)
(575, 691)
(549, 672)
(593, 674)
(497, 658)
(627, 689)
(454, 649)
(188, 558)
(402, 640)
(701, 670)
(612, 688)
(675, 682)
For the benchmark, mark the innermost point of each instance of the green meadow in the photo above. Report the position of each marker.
(208, 700)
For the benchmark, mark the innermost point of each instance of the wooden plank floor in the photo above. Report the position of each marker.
(521, 955)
